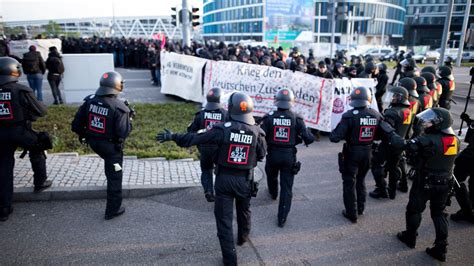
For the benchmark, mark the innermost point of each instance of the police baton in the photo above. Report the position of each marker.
(468, 98)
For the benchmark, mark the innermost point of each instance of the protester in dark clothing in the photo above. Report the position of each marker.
(55, 67)
(34, 67)
(323, 71)
(338, 71)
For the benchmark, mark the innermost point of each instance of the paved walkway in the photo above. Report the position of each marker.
(81, 177)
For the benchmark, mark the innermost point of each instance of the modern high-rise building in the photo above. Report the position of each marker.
(304, 20)
(426, 18)
(137, 27)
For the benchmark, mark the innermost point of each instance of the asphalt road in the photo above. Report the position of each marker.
(179, 228)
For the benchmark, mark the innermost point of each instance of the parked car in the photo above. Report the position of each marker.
(378, 53)
(419, 58)
(389, 57)
(432, 56)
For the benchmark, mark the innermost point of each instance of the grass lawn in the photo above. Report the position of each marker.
(150, 119)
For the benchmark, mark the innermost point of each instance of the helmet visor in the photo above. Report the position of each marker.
(428, 118)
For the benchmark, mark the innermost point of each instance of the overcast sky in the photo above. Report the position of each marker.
(17, 10)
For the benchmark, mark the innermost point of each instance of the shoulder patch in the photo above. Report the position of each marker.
(355, 112)
(271, 113)
(228, 124)
(202, 131)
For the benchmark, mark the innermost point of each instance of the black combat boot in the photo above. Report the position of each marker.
(5, 213)
(379, 193)
(437, 252)
(461, 216)
(406, 238)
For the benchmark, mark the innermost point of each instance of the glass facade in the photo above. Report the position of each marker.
(234, 20)
(426, 18)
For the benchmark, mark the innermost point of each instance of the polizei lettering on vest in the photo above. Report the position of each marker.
(98, 110)
(366, 121)
(281, 122)
(213, 116)
(241, 138)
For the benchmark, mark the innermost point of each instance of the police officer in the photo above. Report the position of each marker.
(437, 150)
(447, 82)
(103, 121)
(370, 71)
(212, 114)
(241, 144)
(381, 87)
(18, 108)
(439, 89)
(398, 66)
(424, 97)
(463, 169)
(357, 127)
(284, 129)
(432, 86)
(409, 68)
(386, 158)
(413, 98)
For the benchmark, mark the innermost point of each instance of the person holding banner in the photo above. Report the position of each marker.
(205, 119)
(241, 145)
(358, 127)
(284, 129)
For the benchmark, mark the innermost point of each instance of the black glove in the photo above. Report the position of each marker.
(167, 135)
(386, 127)
(466, 118)
(82, 140)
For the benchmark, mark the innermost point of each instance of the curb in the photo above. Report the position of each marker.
(100, 192)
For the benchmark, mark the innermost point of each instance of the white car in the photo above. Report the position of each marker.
(377, 53)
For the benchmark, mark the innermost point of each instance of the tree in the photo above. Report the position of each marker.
(53, 28)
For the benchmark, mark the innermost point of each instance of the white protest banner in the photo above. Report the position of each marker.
(313, 94)
(181, 75)
(18, 48)
(342, 90)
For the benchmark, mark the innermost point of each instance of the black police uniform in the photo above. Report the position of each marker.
(105, 123)
(18, 107)
(358, 128)
(463, 169)
(399, 116)
(284, 129)
(240, 147)
(381, 88)
(205, 119)
(448, 87)
(437, 152)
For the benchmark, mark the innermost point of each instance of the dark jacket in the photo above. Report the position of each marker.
(54, 64)
(33, 63)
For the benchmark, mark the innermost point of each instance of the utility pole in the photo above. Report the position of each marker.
(333, 28)
(319, 23)
(348, 29)
(447, 25)
(463, 33)
(185, 24)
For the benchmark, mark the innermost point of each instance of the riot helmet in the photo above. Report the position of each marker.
(382, 67)
(445, 72)
(437, 119)
(429, 69)
(213, 98)
(284, 98)
(111, 83)
(398, 95)
(421, 85)
(360, 97)
(10, 70)
(241, 107)
(410, 85)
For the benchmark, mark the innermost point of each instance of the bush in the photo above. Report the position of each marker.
(150, 119)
